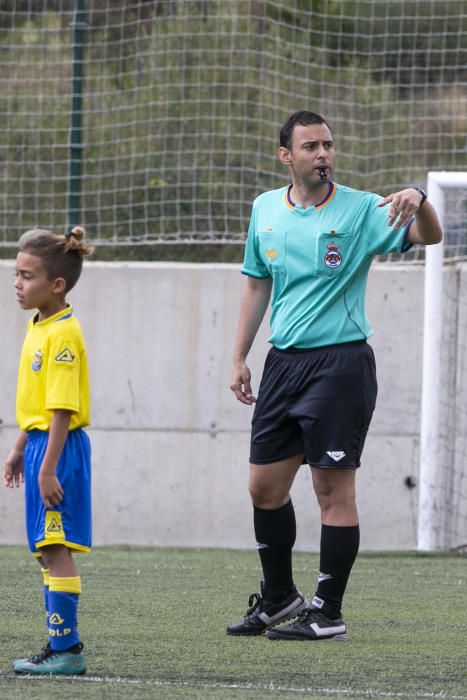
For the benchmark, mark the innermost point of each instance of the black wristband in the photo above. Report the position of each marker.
(423, 193)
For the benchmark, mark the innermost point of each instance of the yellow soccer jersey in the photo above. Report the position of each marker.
(53, 373)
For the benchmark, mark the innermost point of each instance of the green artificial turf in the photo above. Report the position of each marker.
(153, 622)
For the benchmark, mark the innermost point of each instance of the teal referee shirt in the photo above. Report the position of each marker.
(319, 258)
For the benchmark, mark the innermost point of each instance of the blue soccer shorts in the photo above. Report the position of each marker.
(70, 522)
(318, 402)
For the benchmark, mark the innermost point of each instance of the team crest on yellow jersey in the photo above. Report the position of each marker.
(271, 253)
(37, 361)
(333, 258)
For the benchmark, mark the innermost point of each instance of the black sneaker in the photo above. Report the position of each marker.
(262, 614)
(313, 625)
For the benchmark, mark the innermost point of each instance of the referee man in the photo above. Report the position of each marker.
(309, 249)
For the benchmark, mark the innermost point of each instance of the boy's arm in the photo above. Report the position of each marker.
(49, 485)
(13, 470)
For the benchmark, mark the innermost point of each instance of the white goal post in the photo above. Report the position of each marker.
(428, 507)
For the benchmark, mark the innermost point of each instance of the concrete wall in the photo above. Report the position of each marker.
(170, 442)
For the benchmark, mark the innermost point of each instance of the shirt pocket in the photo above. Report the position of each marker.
(273, 250)
(332, 252)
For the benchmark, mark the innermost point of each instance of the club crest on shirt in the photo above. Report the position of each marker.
(333, 258)
(37, 361)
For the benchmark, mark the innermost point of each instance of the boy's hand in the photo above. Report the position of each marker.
(51, 489)
(13, 470)
(49, 486)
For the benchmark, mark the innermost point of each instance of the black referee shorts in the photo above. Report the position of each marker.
(318, 402)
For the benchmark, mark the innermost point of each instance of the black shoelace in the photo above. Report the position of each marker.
(45, 654)
(254, 601)
(307, 615)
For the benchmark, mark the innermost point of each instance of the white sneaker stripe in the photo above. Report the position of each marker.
(269, 620)
(327, 631)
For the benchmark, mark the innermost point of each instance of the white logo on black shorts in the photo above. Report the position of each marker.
(336, 456)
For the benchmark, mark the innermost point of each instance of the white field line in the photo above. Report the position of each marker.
(337, 692)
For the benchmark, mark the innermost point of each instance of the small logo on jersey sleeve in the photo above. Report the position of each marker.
(37, 361)
(333, 258)
(64, 355)
(271, 253)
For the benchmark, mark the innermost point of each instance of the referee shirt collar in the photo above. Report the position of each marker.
(296, 207)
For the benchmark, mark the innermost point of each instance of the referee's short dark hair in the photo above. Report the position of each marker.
(304, 118)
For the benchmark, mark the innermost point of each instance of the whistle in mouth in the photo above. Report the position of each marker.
(322, 174)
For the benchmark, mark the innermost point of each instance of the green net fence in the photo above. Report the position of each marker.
(182, 101)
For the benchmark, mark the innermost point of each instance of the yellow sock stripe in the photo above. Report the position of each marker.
(45, 575)
(65, 584)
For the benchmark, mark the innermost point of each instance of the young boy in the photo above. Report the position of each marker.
(52, 452)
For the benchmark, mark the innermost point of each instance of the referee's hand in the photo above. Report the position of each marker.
(240, 384)
(402, 206)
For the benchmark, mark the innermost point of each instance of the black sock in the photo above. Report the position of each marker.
(339, 547)
(275, 533)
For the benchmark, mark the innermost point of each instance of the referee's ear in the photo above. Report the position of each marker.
(284, 155)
